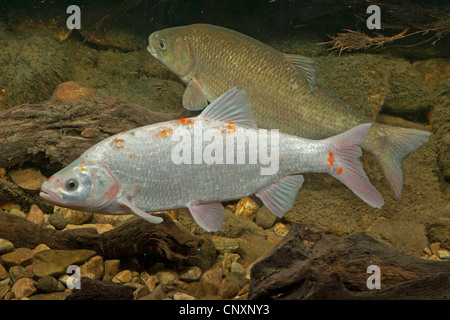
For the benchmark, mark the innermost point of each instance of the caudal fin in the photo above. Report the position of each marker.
(343, 164)
(398, 142)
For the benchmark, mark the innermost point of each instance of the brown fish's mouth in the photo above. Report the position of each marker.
(151, 50)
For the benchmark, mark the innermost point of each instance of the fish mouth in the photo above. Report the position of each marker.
(151, 50)
(49, 195)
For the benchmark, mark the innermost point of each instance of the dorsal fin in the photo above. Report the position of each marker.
(306, 66)
(232, 106)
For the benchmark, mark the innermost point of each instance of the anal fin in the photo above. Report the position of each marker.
(279, 197)
(209, 216)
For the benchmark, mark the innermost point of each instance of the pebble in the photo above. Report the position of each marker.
(36, 215)
(18, 257)
(93, 268)
(182, 296)
(151, 282)
(47, 284)
(141, 292)
(236, 267)
(265, 218)
(228, 288)
(28, 178)
(6, 246)
(191, 274)
(246, 208)
(167, 276)
(73, 216)
(3, 272)
(19, 272)
(23, 288)
(57, 220)
(213, 276)
(4, 289)
(223, 244)
(280, 229)
(18, 213)
(41, 247)
(55, 262)
(434, 247)
(200, 290)
(443, 254)
(111, 269)
(123, 277)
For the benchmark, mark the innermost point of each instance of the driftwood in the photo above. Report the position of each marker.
(101, 290)
(312, 264)
(133, 238)
(52, 134)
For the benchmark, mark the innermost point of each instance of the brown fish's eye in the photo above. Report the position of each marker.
(71, 184)
(162, 45)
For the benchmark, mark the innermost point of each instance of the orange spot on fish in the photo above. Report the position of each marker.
(57, 180)
(167, 132)
(82, 162)
(117, 143)
(330, 159)
(339, 171)
(81, 169)
(49, 178)
(281, 158)
(231, 127)
(186, 121)
(125, 131)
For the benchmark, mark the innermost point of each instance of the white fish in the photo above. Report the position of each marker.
(139, 170)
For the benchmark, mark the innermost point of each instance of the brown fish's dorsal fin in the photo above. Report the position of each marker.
(306, 66)
(232, 106)
(193, 97)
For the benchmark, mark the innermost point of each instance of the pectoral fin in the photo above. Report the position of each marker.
(209, 216)
(193, 97)
(279, 197)
(129, 206)
(306, 66)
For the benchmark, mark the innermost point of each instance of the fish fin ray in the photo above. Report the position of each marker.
(232, 106)
(209, 216)
(399, 142)
(193, 97)
(348, 169)
(279, 197)
(306, 66)
(130, 207)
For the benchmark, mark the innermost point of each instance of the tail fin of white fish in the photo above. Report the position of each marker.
(398, 142)
(343, 164)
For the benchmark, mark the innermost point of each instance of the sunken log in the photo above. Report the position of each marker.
(133, 238)
(310, 263)
(53, 133)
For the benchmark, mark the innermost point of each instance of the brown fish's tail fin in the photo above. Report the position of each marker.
(343, 164)
(398, 142)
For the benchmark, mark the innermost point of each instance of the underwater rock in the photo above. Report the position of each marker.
(246, 208)
(111, 269)
(28, 178)
(213, 276)
(19, 257)
(73, 91)
(94, 268)
(74, 216)
(228, 288)
(265, 218)
(191, 274)
(6, 246)
(310, 263)
(47, 284)
(55, 262)
(18, 272)
(57, 220)
(23, 288)
(123, 277)
(36, 215)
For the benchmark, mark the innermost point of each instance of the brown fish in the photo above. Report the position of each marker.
(281, 87)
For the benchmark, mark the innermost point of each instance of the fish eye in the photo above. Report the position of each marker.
(71, 184)
(162, 45)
